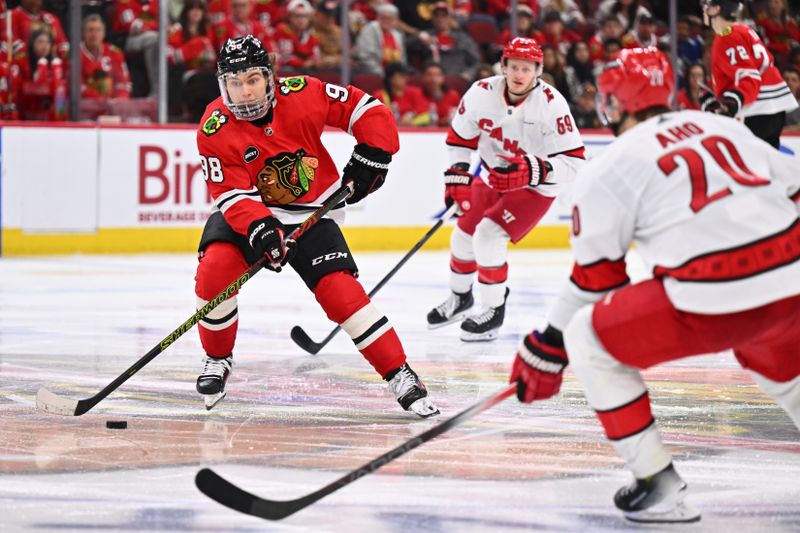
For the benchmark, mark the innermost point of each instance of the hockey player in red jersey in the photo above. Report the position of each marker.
(712, 211)
(523, 131)
(267, 170)
(746, 82)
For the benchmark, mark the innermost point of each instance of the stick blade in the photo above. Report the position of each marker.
(224, 492)
(52, 403)
(302, 339)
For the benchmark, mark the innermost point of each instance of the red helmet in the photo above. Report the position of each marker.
(639, 78)
(523, 48)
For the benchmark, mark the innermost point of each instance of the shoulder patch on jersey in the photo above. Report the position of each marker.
(214, 123)
(549, 94)
(483, 84)
(294, 84)
(727, 31)
(286, 177)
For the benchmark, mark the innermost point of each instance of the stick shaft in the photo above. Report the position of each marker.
(446, 215)
(224, 492)
(84, 405)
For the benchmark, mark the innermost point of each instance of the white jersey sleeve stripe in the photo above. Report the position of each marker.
(366, 103)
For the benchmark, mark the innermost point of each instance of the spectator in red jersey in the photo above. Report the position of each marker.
(30, 16)
(380, 43)
(406, 102)
(240, 23)
(104, 73)
(270, 13)
(9, 91)
(441, 101)
(189, 43)
(452, 48)
(525, 28)
(579, 68)
(42, 71)
(555, 34)
(218, 10)
(610, 31)
(689, 97)
(294, 41)
(779, 27)
(610, 28)
(139, 20)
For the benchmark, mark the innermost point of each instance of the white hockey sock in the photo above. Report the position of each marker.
(618, 394)
(462, 261)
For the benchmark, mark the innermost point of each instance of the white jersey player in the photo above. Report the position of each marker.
(712, 210)
(529, 145)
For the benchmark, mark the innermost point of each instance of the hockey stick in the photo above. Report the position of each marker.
(52, 403)
(301, 338)
(222, 491)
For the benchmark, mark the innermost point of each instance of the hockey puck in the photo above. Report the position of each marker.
(116, 424)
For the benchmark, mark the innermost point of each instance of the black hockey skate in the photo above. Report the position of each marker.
(410, 392)
(211, 382)
(451, 310)
(484, 326)
(658, 498)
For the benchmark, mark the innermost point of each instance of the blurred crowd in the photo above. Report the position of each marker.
(417, 56)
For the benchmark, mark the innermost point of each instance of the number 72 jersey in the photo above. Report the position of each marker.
(708, 205)
(743, 69)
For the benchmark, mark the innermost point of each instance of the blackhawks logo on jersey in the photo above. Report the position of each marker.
(213, 123)
(286, 177)
(295, 84)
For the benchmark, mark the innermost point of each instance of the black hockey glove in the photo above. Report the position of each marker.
(725, 105)
(266, 237)
(367, 170)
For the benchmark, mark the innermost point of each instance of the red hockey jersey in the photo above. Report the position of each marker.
(293, 48)
(23, 23)
(195, 53)
(105, 74)
(742, 68)
(228, 29)
(135, 16)
(282, 168)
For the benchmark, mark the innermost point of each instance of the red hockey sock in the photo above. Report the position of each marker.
(221, 263)
(344, 301)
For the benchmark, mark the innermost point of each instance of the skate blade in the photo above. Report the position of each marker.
(456, 318)
(677, 514)
(467, 336)
(423, 408)
(213, 399)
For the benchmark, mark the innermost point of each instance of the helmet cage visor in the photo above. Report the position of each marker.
(252, 108)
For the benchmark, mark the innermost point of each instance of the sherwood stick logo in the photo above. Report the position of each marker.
(203, 311)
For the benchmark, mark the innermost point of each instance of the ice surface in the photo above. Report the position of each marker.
(292, 422)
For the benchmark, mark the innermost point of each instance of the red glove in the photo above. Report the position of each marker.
(457, 182)
(521, 172)
(539, 365)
